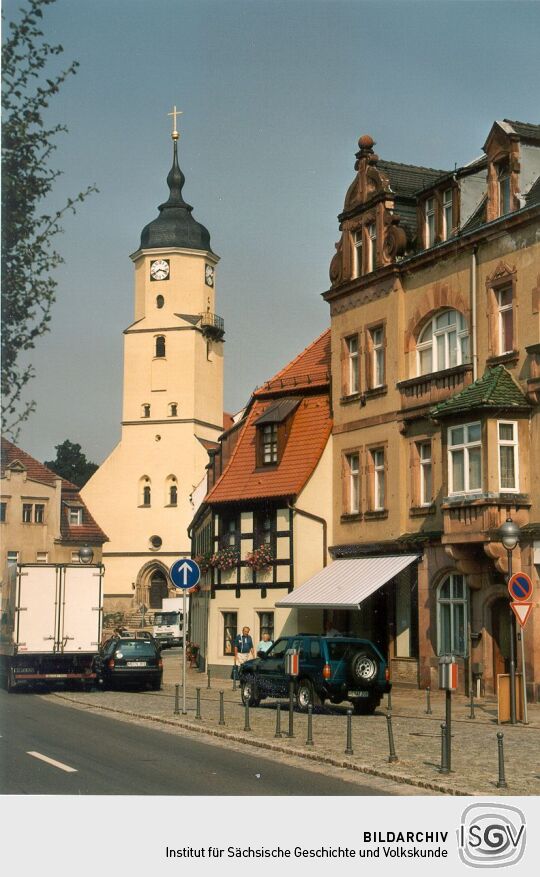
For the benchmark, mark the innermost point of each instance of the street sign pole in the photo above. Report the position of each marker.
(512, 651)
(523, 680)
(184, 603)
(520, 588)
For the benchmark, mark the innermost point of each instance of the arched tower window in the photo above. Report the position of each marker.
(443, 342)
(145, 491)
(173, 409)
(145, 410)
(160, 345)
(171, 491)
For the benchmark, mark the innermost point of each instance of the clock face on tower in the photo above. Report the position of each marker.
(208, 275)
(159, 269)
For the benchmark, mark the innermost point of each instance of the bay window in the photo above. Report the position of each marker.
(508, 455)
(465, 458)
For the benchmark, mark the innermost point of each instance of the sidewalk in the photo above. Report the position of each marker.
(417, 735)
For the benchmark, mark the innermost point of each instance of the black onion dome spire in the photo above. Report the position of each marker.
(175, 225)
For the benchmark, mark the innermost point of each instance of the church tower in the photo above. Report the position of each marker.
(172, 404)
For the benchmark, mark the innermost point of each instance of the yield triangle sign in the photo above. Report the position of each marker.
(522, 612)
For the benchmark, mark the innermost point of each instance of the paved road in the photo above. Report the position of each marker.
(77, 752)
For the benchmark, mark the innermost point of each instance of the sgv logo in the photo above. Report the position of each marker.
(491, 836)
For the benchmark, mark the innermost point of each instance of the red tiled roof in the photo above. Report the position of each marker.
(89, 530)
(228, 421)
(311, 368)
(310, 430)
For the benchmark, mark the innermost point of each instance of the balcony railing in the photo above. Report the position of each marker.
(475, 517)
(435, 387)
(212, 325)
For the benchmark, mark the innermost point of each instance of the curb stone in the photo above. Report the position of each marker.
(275, 747)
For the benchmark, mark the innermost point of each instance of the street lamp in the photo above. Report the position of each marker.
(509, 534)
(86, 555)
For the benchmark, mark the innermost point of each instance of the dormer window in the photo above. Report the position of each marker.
(372, 251)
(75, 516)
(505, 199)
(447, 217)
(506, 319)
(430, 222)
(357, 253)
(272, 431)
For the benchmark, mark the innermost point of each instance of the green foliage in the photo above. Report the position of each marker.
(28, 256)
(71, 463)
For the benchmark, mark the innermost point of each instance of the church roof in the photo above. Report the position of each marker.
(175, 226)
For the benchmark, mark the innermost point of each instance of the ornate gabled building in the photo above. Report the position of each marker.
(42, 516)
(435, 316)
(172, 405)
(264, 525)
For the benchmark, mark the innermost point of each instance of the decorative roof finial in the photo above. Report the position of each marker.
(175, 135)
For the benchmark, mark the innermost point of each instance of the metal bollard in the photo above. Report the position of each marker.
(247, 726)
(278, 721)
(177, 699)
(389, 700)
(501, 784)
(309, 741)
(349, 749)
(471, 714)
(444, 753)
(429, 711)
(291, 710)
(234, 678)
(221, 708)
(208, 685)
(392, 757)
(198, 707)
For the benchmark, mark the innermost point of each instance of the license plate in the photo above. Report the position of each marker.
(135, 663)
(358, 693)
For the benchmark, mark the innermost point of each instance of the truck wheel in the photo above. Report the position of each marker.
(305, 694)
(248, 692)
(363, 669)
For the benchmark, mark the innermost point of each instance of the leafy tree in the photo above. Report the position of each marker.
(28, 230)
(71, 463)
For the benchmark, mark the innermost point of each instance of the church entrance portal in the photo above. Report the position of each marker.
(158, 589)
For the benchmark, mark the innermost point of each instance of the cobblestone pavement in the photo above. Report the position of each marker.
(417, 735)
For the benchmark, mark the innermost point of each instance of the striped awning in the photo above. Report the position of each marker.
(345, 584)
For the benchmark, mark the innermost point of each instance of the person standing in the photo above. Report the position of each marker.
(243, 647)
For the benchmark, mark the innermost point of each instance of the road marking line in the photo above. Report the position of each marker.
(54, 763)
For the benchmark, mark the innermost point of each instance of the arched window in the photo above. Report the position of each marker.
(160, 345)
(173, 494)
(452, 615)
(173, 409)
(145, 491)
(160, 301)
(443, 343)
(171, 490)
(145, 412)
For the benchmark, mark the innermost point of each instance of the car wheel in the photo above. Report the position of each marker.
(365, 707)
(363, 669)
(248, 692)
(305, 694)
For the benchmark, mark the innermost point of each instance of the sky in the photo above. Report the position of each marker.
(274, 97)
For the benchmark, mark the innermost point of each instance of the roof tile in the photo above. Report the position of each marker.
(495, 389)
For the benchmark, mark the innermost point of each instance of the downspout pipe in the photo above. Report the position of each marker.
(319, 520)
(474, 351)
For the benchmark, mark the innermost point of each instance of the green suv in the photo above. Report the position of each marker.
(335, 668)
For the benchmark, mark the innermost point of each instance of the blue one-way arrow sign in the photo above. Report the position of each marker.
(185, 573)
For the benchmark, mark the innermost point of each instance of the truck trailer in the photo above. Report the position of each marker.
(50, 624)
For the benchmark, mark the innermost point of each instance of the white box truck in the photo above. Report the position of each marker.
(168, 626)
(51, 623)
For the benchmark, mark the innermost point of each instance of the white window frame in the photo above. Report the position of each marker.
(501, 310)
(42, 556)
(357, 252)
(453, 601)
(269, 439)
(41, 513)
(430, 214)
(378, 364)
(13, 557)
(513, 443)
(379, 479)
(76, 513)
(27, 512)
(464, 446)
(447, 213)
(353, 478)
(75, 557)
(372, 252)
(462, 332)
(353, 362)
(505, 193)
(425, 462)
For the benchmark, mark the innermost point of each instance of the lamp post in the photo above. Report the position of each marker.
(86, 554)
(509, 535)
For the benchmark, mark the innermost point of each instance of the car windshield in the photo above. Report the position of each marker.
(162, 619)
(278, 648)
(136, 648)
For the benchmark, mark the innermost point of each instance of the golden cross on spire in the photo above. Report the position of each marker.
(174, 114)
